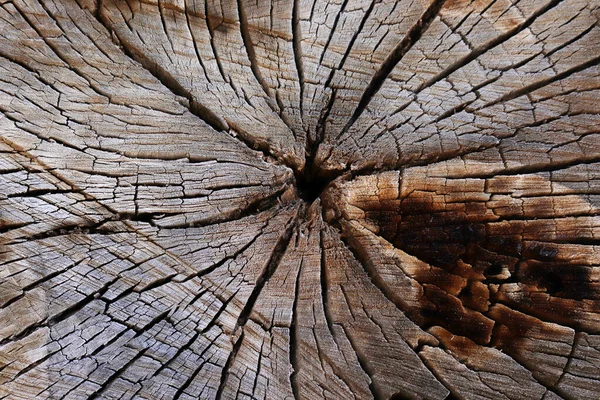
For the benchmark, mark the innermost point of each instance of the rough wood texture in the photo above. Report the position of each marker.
(282, 199)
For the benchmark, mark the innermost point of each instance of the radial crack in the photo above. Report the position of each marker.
(411, 37)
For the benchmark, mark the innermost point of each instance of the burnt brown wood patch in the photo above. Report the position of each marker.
(299, 199)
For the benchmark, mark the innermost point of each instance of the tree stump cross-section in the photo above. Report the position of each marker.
(299, 199)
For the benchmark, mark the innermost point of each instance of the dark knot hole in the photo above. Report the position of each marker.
(310, 188)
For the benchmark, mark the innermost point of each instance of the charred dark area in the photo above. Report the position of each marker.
(471, 263)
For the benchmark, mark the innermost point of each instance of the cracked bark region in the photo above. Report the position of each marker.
(299, 199)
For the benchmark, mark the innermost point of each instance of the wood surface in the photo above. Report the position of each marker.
(300, 199)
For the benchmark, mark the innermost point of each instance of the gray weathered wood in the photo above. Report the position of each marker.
(299, 199)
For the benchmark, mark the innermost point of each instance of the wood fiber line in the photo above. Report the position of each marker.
(308, 199)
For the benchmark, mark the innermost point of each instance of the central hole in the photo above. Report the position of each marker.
(309, 189)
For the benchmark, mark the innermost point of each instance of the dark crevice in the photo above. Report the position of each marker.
(570, 41)
(451, 395)
(537, 85)
(270, 154)
(6, 226)
(258, 205)
(60, 316)
(310, 188)
(147, 217)
(194, 374)
(325, 286)
(73, 229)
(375, 280)
(255, 206)
(230, 359)
(249, 46)
(488, 46)
(412, 36)
(373, 387)
(309, 184)
(570, 358)
(184, 347)
(56, 48)
(215, 318)
(319, 135)
(452, 111)
(214, 22)
(549, 166)
(297, 47)
(157, 283)
(332, 31)
(292, 344)
(193, 37)
(40, 192)
(168, 80)
(34, 365)
(115, 376)
(211, 268)
(276, 256)
(25, 289)
(108, 343)
(157, 319)
(258, 368)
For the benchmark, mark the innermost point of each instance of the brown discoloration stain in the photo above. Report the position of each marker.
(473, 261)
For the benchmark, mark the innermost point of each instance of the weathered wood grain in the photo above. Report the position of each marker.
(282, 199)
